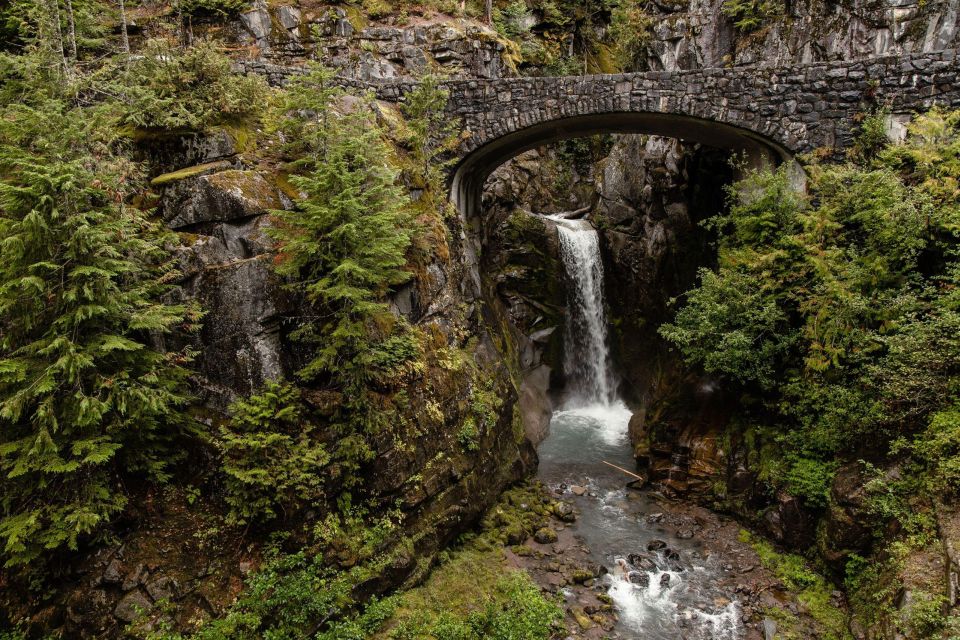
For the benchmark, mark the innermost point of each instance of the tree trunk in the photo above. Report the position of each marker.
(58, 34)
(73, 30)
(123, 27)
(488, 11)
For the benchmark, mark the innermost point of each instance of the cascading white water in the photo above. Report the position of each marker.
(591, 429)
(586, 360)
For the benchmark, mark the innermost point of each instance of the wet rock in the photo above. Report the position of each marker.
(577, 490)
(848, 524)
(639, 578)
(545, 535)
(565, 512)
(654, 518)
(132, 606)
(581, 576)
(656, 545)
(665, 580)
(583, 621)
(769, 629)
(685, 534)
(642, 561)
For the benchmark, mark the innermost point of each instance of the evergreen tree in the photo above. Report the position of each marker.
(87, 397)
(345, 243)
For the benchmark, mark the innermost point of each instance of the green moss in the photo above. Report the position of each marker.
(811, 589)
(189, 172)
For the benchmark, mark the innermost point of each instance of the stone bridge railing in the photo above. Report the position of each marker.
(791, 110)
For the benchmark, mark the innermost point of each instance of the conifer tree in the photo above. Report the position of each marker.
(345, 243)
(87, 397)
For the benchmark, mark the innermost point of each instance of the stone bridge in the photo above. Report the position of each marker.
(770, 114)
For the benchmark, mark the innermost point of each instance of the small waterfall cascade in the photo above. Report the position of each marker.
(587, 357)
(667, 593)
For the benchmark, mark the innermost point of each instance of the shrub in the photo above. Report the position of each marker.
(631, 32)
(213, 8)
(273, 458)
(810, 479)
(344, 245)
(88, 399)
(192, 88)
(751, 15)
(732, 327)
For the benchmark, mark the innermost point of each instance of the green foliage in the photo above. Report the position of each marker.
(924, 616)
(751, 15)
(811, 588)
(871, 138)
(733, 328)
(837, 315)
(511, 21)
(810, 479)
(272, 455)
(32, 24)
(87, 397)
(939, 447)
(433, 135)
(192, 88)
(630, 31)
(213, 8)
(516, 610)
(344, 245)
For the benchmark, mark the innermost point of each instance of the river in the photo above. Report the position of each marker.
(663, 585)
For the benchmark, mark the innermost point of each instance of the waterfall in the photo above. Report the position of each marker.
(586, 361)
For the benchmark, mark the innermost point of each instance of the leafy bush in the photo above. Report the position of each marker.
(213, 8)
(733, 328)
(751, 15)
(631, 32)
(511, 21)
(272, 456)
(810, 479)
(837, 315)
(939, 447)
(192, 88)
(87, 398)
(516, 610)
(345, 243)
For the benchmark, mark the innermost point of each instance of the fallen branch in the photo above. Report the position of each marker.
(629, 473)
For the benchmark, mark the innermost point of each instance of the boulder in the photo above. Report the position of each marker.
(545, 535)
(132, 606)
(219, 197)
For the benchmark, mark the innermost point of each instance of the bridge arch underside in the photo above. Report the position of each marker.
(472, 171)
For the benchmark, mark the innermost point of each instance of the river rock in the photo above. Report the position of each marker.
(577, 490)
(656, 545)
(545, 535)
(639, 578)
(665, 580)
(642, 561)
(565, 512)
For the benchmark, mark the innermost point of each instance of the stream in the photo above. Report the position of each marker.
(663, 584)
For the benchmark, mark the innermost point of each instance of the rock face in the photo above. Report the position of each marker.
(696, 34)
(288, 34)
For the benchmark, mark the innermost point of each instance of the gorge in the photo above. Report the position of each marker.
(355, 320)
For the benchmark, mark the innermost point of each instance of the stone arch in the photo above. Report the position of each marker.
(485, 153)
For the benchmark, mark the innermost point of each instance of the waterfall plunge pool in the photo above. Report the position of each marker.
(663, 586)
